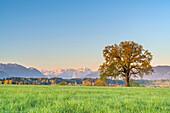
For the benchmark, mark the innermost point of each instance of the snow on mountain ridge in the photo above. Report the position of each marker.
(68, 73)
(161, 72)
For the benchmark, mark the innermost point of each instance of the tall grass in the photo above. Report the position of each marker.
(65, 99)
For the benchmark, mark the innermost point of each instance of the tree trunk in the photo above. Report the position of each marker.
(127, 81)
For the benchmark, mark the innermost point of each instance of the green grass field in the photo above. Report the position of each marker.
(47, 99)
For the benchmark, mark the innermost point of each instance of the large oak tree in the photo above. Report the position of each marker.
(125, 60)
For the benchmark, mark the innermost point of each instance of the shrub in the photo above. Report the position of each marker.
(62, 83)
(69, 84)
(136, 84)
(88, 84)
(6, 82)
(142, 86)
(100, 83)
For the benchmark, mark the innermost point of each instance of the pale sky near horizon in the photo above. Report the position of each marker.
(72, 33)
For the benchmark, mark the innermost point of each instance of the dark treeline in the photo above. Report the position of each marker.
(82, 82)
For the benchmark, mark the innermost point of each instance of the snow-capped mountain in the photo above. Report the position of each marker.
(161, 72)
(68, 73)
(15, 70)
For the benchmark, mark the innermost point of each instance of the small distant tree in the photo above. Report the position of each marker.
(93, 83)
(69, 84)
(125, 60)
(83, 83)
(100, 83)
(62, 83)
(88, 84)
(52, 81)
(20, 83)
(10, 81)
(16, 82)
(6, 82)
(46, 81)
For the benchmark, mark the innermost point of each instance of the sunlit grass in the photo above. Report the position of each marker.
(32, 98)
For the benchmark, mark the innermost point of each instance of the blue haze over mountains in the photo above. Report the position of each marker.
(15, 70)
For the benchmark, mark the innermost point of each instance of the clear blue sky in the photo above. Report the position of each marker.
(49, 34)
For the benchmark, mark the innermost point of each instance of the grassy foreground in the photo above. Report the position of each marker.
(38, 99)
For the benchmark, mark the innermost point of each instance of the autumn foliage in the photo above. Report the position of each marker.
(88, 84)
(6, 82)
(62, 83)
(100, 83)
(125, 60)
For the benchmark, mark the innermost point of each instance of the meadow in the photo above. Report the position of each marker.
(65, 99)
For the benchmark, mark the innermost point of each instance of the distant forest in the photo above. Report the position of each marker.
(83, 82)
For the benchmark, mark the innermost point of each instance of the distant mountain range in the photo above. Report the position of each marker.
(71, 73)
(161, 72)
(15, 70)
